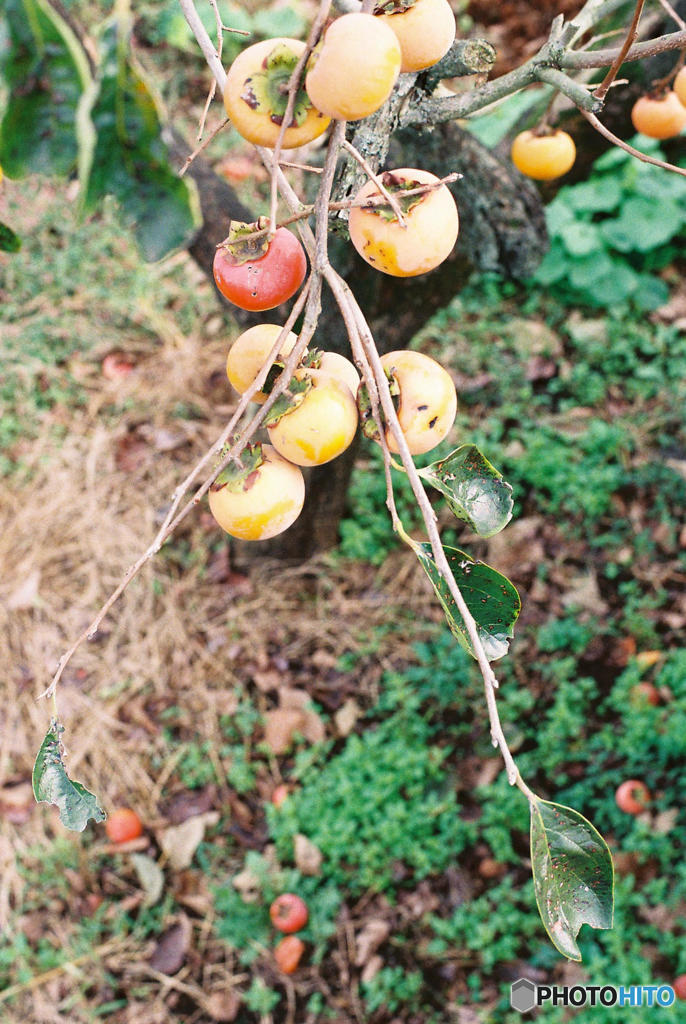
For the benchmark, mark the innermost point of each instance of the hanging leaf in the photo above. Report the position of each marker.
(491, 598)
(475, 490)
(52, 785)
(573, 874)
(9, 241)
(45, 70)
(127, 157)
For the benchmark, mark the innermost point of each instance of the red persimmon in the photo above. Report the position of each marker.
(288, 953)
(288, 913)
(632, 797)
(679, 986)
(266, 281)
(123, 825)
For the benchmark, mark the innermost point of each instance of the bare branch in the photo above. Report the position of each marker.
(601, 91)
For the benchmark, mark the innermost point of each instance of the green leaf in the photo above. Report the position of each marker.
(52, 785)
(573, 874)
(599, 195)
(129, 159)
(476, 492)
(491, 598)
(9, 241)
(651, 292)
(581, 238)
(554, 265)
(46, 72)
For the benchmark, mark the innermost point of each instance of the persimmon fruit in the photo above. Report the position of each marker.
(248, 355)
(659, 118)
(256, 93)
(288, 913)
(262, 281)
(426, 399)
(679, 86)
(424, 30)
(430, 233)
(260, 500)
(543, 157)
(321, 426)
(632, 797)
(354, 72)
(288, 953)
(123, 825)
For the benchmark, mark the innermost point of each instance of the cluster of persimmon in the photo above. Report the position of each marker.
(314, 422)
(350, 74)
(546, 154)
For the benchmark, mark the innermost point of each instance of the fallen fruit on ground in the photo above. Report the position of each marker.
(321, 427)
(633, 796)
(288, 953)
(256, 94)
(426, 400)
(660, 117)
(543, 156)
(354, 72)
(248, 355)
(260, 500)
(430, 232)
(123, 825)
(425, 30)
(288, 913)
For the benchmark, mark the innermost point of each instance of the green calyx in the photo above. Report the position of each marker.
(240, 247)
(289, 400)
(266, 91)
(240, 476)
(393, 6)
(364, 405)
(398, 187)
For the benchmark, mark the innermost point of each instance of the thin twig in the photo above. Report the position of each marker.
(203, 145)
(611, 137)
(672, 13)
(389, 197)
(601, 91)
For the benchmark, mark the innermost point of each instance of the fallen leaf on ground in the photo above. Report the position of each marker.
(374, 933)
(26, 593)
(170, 952)
(223, 1006)
(308, 857)
(180, 842)
(281, 727)
(150, 877)
(346, 717)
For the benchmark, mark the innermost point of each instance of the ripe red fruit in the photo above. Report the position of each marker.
(288, 913)
(280, 794)
(679, 986)
(632, 796)
(123, 825)
(265, 281)
(646, 692)
(288, 953)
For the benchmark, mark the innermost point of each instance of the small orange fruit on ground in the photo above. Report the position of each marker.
(248, 355)
(659, 118)
(425, 30)
(426, 403)
(288, 953)
(255, 95)
(679, 986)
(432, 225)
(633, 796)
(280, 794)
(123, 825)
(260, 501)
(288, 913)
(543, 157)
(355, 71)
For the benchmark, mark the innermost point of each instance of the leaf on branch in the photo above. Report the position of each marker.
(490, 597)
(46, 72)
(573, 874)
(9, 241)
(475, 491)
(127, 157)
(52, 785)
